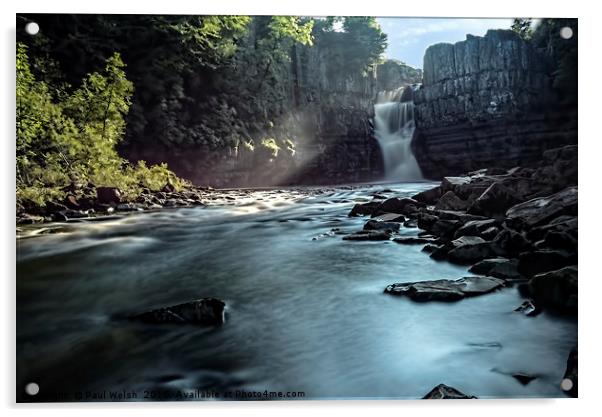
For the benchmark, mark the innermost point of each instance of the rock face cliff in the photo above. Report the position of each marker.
(487, 102)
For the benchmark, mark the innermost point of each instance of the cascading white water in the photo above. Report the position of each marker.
(394, 129)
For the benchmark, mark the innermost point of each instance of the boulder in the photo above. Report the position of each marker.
(450, 201)
(445, 228)
(510, 242)
(503, 268)
(205, 311)
(369, 235)
(399, 205)
(445, 392)
(108, 195)
(430, 247)
(365, 209)
(556, 289)
(425, 220)
(451, 183)
(380, 225)
(566, 224)
(542, 210)
(445, 289)
(537, 262)
(494, 201)
(428, 196)
(475, 227)
(470, 249)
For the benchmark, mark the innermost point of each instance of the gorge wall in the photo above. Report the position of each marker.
(488, 102)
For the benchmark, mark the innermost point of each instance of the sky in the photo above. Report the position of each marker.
(408, 38)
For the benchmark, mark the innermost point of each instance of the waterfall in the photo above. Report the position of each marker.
(394, 129)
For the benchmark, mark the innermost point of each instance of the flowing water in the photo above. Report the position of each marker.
(394, 130)
(304, 315)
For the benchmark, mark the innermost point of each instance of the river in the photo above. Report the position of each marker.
(303, 314)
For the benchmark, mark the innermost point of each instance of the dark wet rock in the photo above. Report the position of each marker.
(129, 207)
(430, 247)
(475, 227)
(556, 289)
(369, 235)
(411, 223)
(445, 228)
(108, 195)
(528, 308)
(533, 263)
(451, 183)
(381, 225)
(450, 201)
(205, 311)
(510, 242)
(27, 218)
(413, 240)
(542, 210)
(425, 220)
(428, 196)
(399, 205)
(489, 233)
(470, 249)
(390, 217)
(498, 267)
(365, 209)
(560, 240)
(64, 215)
(445, 392)
(445, 289)
(571, 373)
(563, 224)
(494, 201)
(456, 215)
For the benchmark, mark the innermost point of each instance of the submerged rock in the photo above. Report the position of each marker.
(523, 378)
(528, 309)
(390, 217)
(445, 289)
(206, 311)
(445, 392)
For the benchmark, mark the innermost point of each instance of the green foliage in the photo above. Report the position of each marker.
(74, 140)
(523, 27)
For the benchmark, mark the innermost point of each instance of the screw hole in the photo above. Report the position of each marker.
(32, 388)
(566, 33)
(32, 28)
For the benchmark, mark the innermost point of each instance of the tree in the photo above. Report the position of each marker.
(523, 27)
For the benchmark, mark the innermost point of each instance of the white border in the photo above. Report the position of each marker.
(590, 150)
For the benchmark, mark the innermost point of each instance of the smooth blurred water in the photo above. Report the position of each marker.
(303, 315)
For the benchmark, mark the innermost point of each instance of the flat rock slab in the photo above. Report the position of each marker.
(445, 392)
(205, 311)
(413, 240)
(369, 235)
(445, 289)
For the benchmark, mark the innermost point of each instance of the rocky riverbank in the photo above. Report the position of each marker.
(511, 227)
